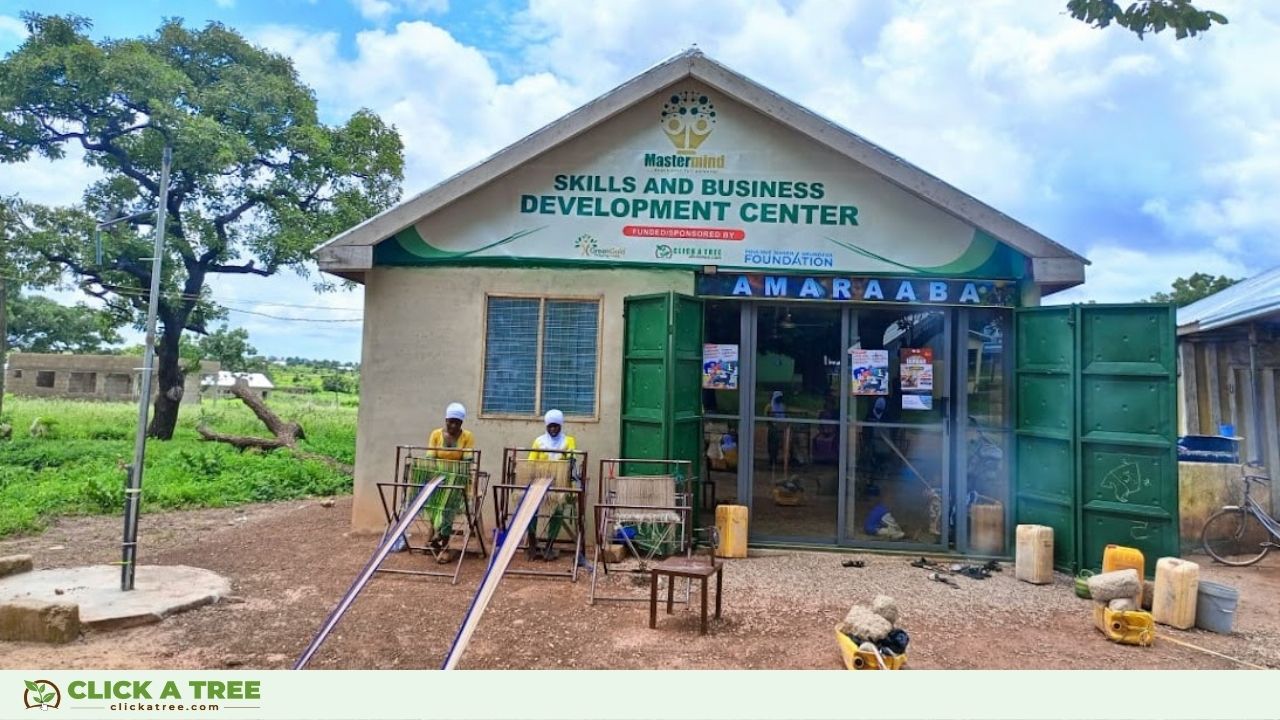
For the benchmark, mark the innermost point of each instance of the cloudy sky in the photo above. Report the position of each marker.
(1153, 158)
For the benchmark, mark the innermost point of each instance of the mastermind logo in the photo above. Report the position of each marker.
(687, 119)
(41, 694)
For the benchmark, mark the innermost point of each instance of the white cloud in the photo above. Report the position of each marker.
(50, 182)
(225, 3)
(374, 9)
(378, 10)
(12, 26)
(445, 98)
(1121, 274)
(286, 317)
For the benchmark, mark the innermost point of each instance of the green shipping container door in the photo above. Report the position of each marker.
(662, 379)
(1044, 439)
(1095, 449)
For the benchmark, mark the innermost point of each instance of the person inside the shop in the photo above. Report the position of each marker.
(826, 447)
(871, 454)
(554, 446)
(451, 446)
(777, 409)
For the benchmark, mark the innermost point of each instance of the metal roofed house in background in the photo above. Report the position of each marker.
(1053, 267)
(221, 383)
(1257, 298)
(1229, 368)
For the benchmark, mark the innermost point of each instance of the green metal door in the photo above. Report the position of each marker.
(1128, 431)
(661, 386)
(1044, 435)
(1096, 454)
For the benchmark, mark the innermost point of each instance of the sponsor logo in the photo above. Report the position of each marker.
(686, 252)
(41, 694)
(789, 258)
(687, 119)
(588, 246)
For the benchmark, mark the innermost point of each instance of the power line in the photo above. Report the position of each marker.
(297, 319)
(230, 305)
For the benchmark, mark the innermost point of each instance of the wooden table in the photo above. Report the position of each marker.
(685, 567)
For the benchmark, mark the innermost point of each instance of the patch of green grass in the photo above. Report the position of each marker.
(80, 468)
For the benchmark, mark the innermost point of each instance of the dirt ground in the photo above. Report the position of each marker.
(290, 562)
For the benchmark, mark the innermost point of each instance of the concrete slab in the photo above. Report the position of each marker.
(159, 590)
(39, 621)
(14, 564)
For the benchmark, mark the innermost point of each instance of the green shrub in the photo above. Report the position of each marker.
(82, 470)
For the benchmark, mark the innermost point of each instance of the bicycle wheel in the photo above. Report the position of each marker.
(1235, 537)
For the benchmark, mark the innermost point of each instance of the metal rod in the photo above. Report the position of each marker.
(129, 545)
(379, 555)
(4, 337)
(1256, 437)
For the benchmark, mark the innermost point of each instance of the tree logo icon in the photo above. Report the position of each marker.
(687, 119)
(41, 694)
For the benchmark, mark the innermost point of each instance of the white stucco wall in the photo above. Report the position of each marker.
(423, 348)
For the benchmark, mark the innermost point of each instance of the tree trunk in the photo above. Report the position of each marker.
(168, 387)
(287, 433)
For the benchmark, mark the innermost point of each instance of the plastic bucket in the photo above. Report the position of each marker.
(1216, 607)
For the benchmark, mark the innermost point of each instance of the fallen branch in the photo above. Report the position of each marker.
(287, 433)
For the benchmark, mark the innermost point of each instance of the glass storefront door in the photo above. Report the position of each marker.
(898, 469)
(857, 425)
(983, 480)
(795, 412)
(721, 404)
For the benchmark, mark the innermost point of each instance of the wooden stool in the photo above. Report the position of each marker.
(692, 569)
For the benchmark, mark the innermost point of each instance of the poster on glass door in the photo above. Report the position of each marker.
(719, 367)
(917, 402)
(870, 371)
(916, 370)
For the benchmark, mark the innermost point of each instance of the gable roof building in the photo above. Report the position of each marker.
(692, 218)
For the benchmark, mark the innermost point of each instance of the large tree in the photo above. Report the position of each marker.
(40, 324)
(1147, 16)
(1196, 287)
(257, 182)
(230, 347)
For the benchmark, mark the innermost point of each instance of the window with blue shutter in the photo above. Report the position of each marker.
(541, 353)
(511, 356)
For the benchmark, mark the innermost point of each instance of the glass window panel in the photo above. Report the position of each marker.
(511, 356)
(569, 356)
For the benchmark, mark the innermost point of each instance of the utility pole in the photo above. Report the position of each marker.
(132, 501)
(4, 339)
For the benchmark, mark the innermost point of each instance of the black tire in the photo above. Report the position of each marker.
(1235, 537)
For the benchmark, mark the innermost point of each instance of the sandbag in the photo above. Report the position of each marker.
(1117, 584)
(1122, 605)
(863, 624)
(886, 607)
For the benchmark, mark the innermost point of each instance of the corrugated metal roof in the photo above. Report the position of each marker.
(1250, 299)
(225, 379)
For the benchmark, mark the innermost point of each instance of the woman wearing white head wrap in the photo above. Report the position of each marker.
(551, 444)
(449, 443)
(442, 441)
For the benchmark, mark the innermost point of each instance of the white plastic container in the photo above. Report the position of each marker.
(1173, 602)
(1033, 561)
